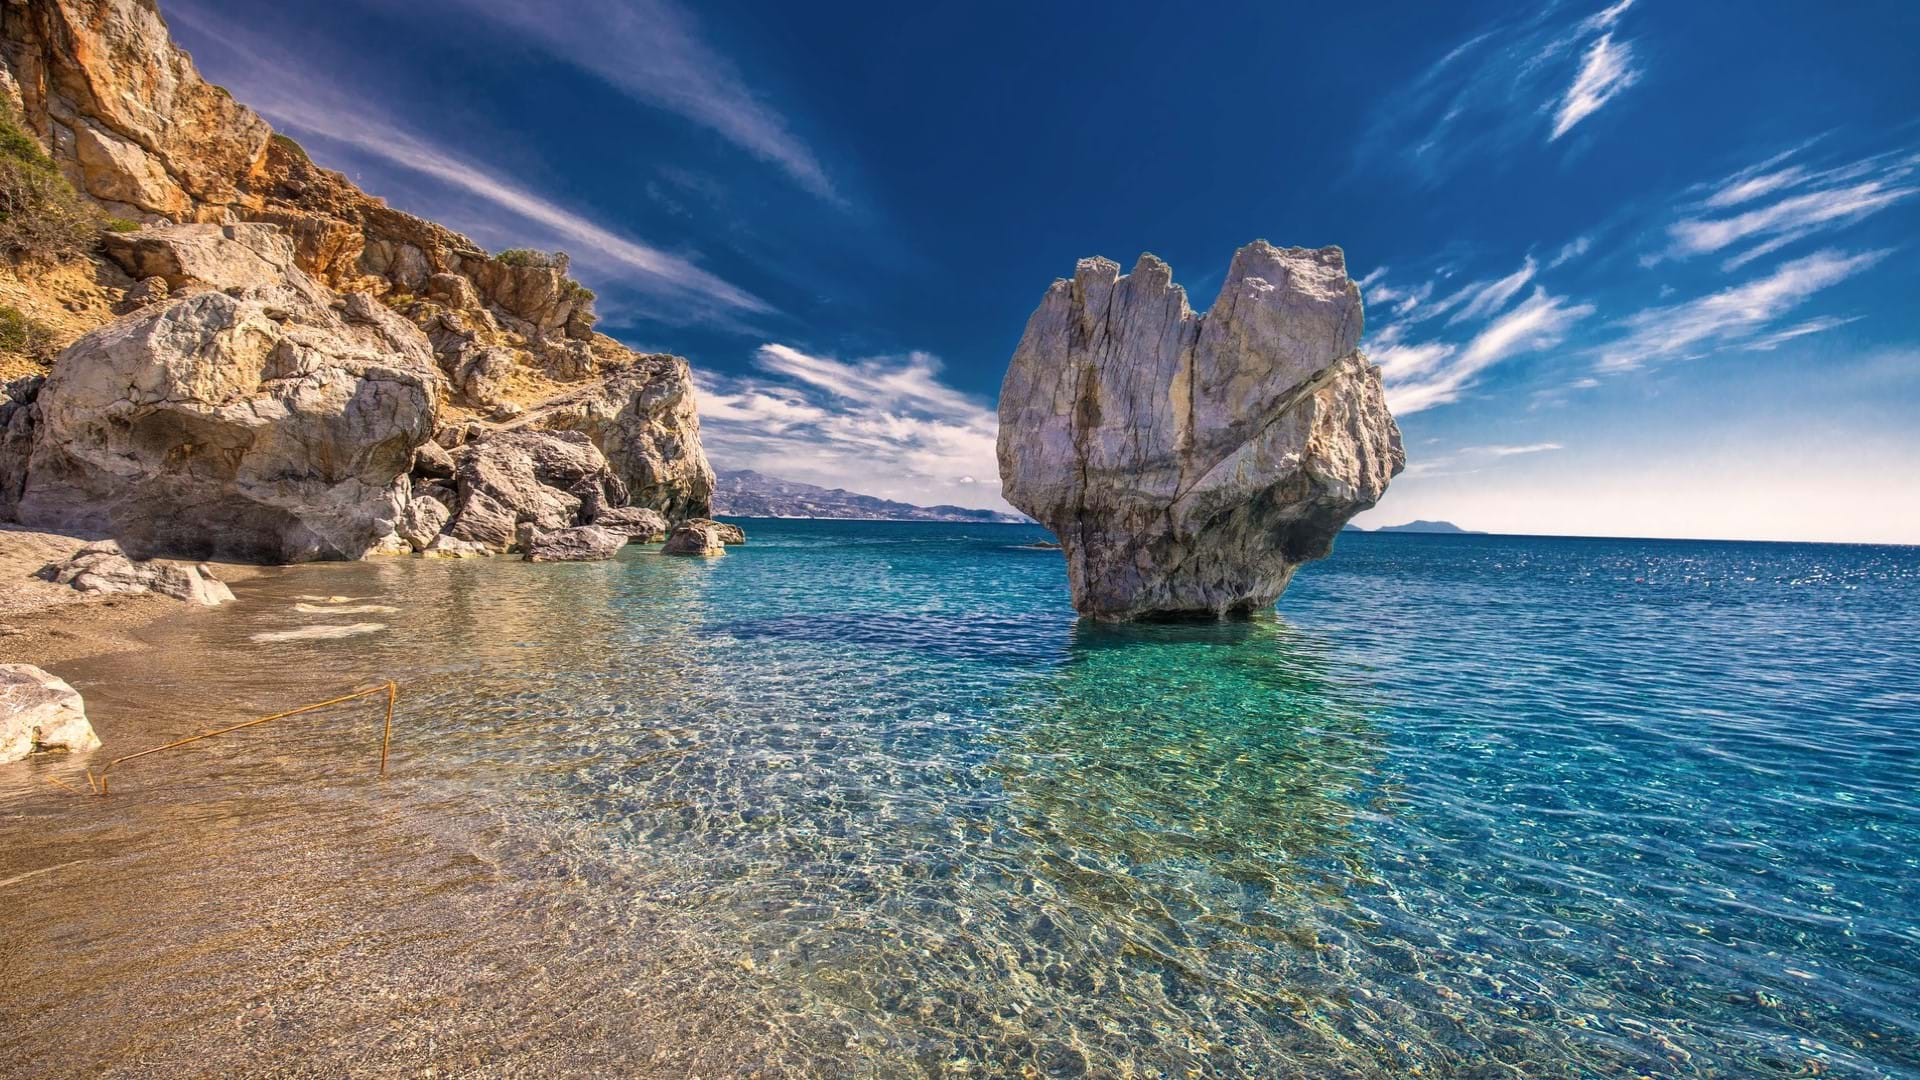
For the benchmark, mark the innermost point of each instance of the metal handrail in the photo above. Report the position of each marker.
(390, 688)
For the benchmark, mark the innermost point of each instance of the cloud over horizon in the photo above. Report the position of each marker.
(885, 426)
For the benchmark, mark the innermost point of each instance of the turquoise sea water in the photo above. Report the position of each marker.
(1475, 806)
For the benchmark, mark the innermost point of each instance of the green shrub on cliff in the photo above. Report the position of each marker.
(28, 337)
(41, 216)
(291, 147)
(555, 260)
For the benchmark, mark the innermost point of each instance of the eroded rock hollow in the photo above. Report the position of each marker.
(1189, 463)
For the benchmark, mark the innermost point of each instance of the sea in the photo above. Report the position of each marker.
(866, 799)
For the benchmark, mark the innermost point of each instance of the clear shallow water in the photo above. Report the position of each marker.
(864, 799)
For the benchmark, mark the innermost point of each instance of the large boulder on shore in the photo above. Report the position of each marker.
(39, 711)
(257, 417)
(1189, 463)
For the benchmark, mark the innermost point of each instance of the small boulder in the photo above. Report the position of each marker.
(431, 461)
(641, 525)
(39, 711)
(582, 543)
(422, 520)
(452, 547)
(103, 568)
(390, 544)
(694, 538)
(729, 534)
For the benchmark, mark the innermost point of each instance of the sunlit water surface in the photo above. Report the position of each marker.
(864, 799)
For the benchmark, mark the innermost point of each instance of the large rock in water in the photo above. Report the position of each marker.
(270, 422)
(1189, 463)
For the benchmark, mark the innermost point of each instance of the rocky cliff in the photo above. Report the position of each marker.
(319, 282)
(1189, 463)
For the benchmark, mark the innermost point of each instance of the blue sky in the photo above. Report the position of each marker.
(1644, 268)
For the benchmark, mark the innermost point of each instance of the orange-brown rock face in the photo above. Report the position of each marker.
(126, 116)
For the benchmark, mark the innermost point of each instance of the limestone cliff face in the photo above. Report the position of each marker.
(1189, 463)
(255, 415)
(130, 121)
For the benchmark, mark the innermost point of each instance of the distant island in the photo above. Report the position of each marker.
(746, 493)
(1422, 526)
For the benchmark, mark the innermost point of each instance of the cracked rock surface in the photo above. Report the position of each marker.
(1190, 462)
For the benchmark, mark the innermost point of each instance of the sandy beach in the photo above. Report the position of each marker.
(43, 623)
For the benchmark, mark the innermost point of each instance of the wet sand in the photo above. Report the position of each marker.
(267, 905)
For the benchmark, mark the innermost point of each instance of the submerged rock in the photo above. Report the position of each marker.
(39, 711)
(582, 543)
(690, 538)
(1189, 463)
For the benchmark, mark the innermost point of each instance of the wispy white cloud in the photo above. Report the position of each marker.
(1483, 299)
(277, 85)
(1400, 363)
(1732, 316)
(1607, 16)
(885, 426)
(1765, 207)
(652, 51)
(1605, 71)
(1539, 322)
(1486, 95)
(1514, 451)
(1570, 251)
(1786, 220)
(1820, 325)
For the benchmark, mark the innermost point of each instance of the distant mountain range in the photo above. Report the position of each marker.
(745, 493)
(1419, 527)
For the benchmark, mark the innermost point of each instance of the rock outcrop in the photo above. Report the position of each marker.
(281, 327)
(39, 711)
(1189, 463)
(728, 533)
(103, 568)
(639, 524)
(689, 538)
(552, 480)
(255, 415)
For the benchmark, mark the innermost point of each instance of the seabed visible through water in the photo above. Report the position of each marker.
(865, 799)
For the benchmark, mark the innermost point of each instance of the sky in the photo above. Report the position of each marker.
(1644, 268)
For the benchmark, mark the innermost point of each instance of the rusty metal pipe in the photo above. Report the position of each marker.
(390, 688)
